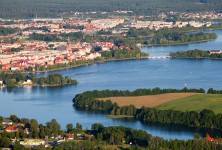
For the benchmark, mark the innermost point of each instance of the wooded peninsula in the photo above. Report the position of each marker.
(16, 79)
(205, 118)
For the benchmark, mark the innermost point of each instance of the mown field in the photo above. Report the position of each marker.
(196, 103)
(149, 100)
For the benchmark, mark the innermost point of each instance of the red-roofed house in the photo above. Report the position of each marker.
(11, 129)
(6, 67)
(209, 138)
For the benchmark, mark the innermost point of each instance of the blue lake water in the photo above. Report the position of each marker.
(46, 103)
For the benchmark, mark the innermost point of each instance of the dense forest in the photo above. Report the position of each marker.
(114, 137)
(13, 79)
(205, 118)
(52, 8)
(195, 54)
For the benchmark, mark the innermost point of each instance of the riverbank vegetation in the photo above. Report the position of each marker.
(15, 79)
(197, 54)
(203, 117)
(98, 137)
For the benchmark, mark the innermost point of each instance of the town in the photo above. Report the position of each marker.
(43, 42)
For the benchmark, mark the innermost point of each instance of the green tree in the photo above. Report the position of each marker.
(69, 127)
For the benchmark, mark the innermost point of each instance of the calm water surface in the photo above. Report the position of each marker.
(45, 103)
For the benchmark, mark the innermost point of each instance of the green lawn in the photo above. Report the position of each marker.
(196, 103)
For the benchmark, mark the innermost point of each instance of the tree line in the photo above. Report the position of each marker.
(196, 54)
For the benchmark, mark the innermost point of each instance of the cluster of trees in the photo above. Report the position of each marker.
(6, 31)
(205, 118)
(13, 79)
(123, 54)
(55, 79)
(130, 110)
(52, 8)
(213, 91)
(44, 37)
(195, 54)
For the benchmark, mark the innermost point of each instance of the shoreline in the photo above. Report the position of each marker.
(38, 85)
(86, 64)
(197, 58)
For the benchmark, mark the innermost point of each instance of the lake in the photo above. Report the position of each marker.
(46, 103)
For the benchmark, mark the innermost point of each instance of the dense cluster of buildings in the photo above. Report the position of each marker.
(41, 53)
(156, 25)
(45, 54)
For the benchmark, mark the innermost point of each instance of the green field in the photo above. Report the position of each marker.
(196, 103)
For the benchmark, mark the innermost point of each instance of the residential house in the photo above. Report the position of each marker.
(11, 129)
(7, 122)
